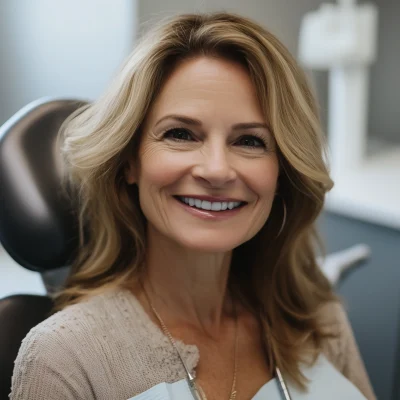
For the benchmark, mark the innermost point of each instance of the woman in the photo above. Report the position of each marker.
(199, 175)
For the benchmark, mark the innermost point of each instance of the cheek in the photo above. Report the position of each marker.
(160, 168)
(262, 180)
(262, 177)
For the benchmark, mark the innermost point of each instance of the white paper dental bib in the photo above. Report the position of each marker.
(325, 383)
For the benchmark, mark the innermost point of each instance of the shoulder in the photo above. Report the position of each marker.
(73, 320)
(332, 317)
(69, 328)
(335, 324)
(54, 353)
(340, 346)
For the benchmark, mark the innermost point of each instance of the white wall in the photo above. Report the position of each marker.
(282, 17)
(61, 48)
(15, 279)
(384, 106)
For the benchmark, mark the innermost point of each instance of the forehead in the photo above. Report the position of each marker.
(206, 85)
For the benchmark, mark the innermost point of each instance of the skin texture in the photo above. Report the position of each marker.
(188, 257)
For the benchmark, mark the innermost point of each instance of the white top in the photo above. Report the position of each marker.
(107, 347)
(325, 383)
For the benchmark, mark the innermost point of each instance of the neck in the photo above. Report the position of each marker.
(186, 287)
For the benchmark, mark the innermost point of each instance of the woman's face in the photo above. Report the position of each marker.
(206, 143)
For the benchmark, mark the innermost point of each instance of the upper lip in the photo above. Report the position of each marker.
(212, 198)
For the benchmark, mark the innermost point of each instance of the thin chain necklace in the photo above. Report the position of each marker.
(197, 391)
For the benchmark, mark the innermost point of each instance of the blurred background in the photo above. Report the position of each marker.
(72, 49)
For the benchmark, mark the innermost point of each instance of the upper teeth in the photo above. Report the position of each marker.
(208, 205)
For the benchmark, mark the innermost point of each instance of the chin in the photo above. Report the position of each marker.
(210, 244)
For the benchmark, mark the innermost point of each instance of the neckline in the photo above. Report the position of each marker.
(267, 389)
(188, 349)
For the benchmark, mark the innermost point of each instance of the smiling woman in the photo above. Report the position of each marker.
(198, 175)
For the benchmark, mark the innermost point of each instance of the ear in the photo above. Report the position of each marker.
(130, 172)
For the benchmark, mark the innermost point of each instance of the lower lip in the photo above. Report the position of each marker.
(210, 215)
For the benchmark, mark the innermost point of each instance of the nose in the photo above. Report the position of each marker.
(214, 166)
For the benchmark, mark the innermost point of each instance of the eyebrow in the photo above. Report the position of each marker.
(196, 122)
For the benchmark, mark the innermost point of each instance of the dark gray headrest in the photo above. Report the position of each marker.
(37, 225)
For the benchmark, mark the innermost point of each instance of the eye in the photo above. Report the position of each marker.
(252, 141)
(178, 135)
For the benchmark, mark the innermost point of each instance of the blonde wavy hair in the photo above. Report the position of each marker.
(274, 274)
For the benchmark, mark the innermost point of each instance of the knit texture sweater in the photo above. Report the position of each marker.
(107, 347)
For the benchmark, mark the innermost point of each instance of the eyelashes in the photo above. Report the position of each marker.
(252, 141)
(253, 138)
(178, 135)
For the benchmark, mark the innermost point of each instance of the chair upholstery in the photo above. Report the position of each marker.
(37, 224)
(18, 315)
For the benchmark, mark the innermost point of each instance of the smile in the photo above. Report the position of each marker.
(210, 205)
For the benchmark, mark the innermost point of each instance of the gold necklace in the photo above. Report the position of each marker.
(197, 391)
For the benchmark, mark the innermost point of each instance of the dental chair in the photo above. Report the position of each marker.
(38, 227)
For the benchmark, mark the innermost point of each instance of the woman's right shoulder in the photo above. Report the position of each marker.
(72, 320)
(56, 348)
(74, 323)
(47, 363)
(50, 341)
